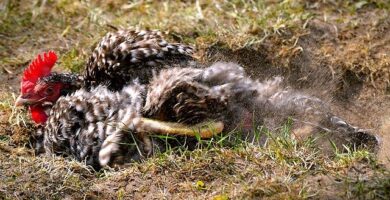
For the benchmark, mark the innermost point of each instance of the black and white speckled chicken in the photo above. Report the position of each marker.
(97, 124)
(119, 58)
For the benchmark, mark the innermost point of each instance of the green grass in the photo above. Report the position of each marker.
(226, 166)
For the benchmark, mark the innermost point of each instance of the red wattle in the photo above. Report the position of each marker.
(38, 114)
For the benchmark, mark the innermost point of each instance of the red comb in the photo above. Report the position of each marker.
(40, 67)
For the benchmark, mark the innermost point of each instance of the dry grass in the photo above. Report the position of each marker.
(338, 36)
(279, 28)
(283, 168)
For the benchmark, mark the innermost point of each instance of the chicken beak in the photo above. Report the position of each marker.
(20, 101)
(203, 130)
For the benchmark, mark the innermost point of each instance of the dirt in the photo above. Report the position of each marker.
(354, 95)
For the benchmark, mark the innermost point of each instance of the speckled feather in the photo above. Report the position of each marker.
(189, 95)
(92, 125)
(127, 54)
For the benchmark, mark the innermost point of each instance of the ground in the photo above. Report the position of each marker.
(337, 50)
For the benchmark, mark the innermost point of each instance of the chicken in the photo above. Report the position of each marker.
(117, 60)
(98, 125)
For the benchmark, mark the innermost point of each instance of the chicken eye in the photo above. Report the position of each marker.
(49, 91)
